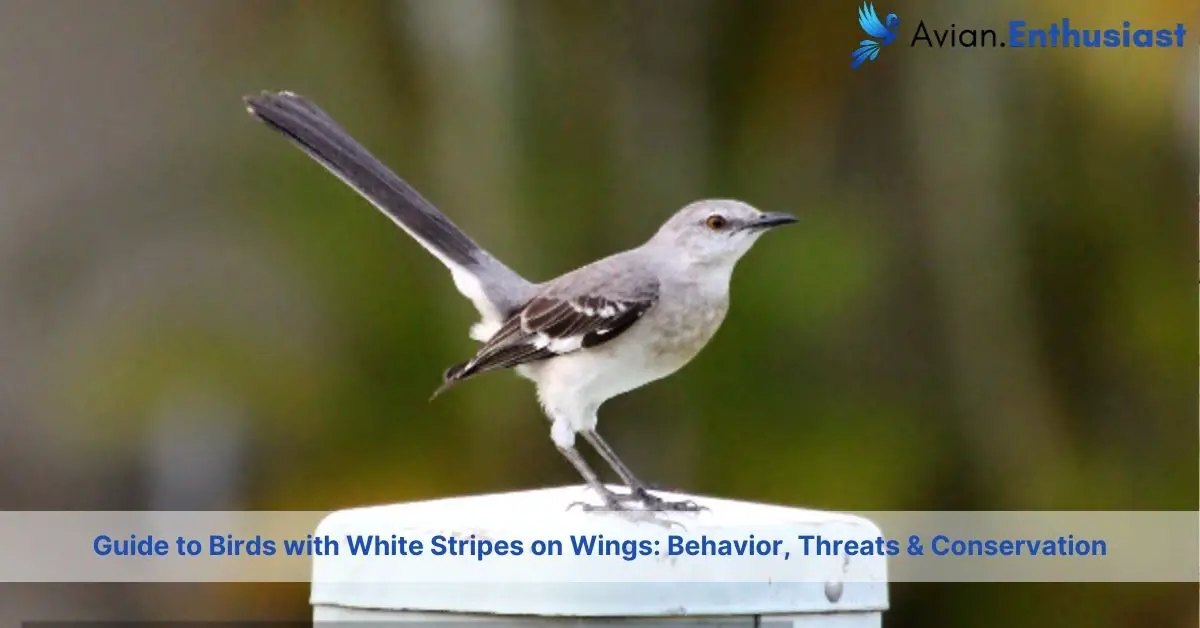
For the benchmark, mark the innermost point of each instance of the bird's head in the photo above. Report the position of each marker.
(892, 21)
(717, 232)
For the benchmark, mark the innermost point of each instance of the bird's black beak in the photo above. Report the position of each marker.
(771, 220)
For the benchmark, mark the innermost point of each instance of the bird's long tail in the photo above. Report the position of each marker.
(867, 50)
(492, 286)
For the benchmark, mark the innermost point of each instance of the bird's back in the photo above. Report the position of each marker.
(626, 275)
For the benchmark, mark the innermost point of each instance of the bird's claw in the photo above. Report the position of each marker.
(654, 502)
(610, 505)
(649, 502)
(686, 505)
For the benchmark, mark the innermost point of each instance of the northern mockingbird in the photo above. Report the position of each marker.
(583, 338)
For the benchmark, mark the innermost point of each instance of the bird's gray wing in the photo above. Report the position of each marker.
(577, 311)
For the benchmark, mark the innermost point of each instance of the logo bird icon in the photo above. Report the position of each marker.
(868, 49)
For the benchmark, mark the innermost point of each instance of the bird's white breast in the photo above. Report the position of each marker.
(667, 338)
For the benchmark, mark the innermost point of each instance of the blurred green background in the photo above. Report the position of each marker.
(987, 305)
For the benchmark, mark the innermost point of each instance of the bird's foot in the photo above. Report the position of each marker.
(620, 502)
(612, 502)
(613, 506)
(654, 502)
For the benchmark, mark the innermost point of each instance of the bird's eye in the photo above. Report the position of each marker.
(716, 222)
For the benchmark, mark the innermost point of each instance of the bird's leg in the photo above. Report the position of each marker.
(637, 488)
(612, 501)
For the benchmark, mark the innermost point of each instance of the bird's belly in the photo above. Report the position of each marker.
(591, 377)
(656, 347)
(655, 350)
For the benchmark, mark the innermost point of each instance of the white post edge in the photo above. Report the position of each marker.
(652, 589)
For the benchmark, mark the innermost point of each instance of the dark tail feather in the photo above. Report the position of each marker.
(318, 135)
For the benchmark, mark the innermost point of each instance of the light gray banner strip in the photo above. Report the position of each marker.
(1037, 546)
(1044, 546)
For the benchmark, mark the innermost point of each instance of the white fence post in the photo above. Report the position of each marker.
(543, 591)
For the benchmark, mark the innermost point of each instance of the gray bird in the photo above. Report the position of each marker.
(583, 338)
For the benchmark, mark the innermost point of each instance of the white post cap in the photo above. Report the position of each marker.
(653, 584)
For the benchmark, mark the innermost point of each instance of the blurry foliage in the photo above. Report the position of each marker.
(845, 376)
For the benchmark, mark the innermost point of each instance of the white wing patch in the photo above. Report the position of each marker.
(539, 332)
(542, 340)
(566, 345)
(608, 310)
